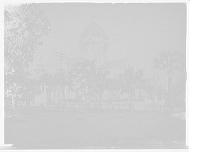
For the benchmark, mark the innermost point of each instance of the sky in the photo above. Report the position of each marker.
(136, 32)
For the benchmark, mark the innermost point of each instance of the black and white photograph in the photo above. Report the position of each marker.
(95, 76)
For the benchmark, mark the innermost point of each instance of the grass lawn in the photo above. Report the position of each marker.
(94, 129)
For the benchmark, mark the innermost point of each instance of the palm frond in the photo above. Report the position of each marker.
(160, 63)
(169, 61)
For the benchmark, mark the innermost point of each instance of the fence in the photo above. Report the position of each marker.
(122, 105)
(115, 105)
(177, 103)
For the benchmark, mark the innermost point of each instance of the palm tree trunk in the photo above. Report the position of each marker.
(128, 93)
(59, 96)
(13, 105)
(140, 94)
(80, 103)
(100, 101)
(170, 100)
(131, 99)
(47, 97)
(33, 101)
(112, 99)
(50, 90)
(28, 101)
(63, 97)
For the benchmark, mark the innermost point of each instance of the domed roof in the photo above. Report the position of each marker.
(93, 30)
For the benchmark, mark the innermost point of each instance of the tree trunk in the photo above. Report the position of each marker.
(108, 94)
(128, 94)
(13, 105)
(80, 103)
(63, 97)
(59, 92)
(140, 94)
(131, 107)
(28, 101)
(170, 100)
(112, 99)
(100, 101)
(47, 97)
(33, 101)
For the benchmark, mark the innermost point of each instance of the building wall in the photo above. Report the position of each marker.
(93, 46)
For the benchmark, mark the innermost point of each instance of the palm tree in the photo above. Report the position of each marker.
(83, 78)
(140, 85)
(131, 81)
(47, 80)
(169, 62)
(179, 91)
(62, 79)
(108, 86)
(100, 81)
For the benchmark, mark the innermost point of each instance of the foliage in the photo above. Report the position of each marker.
(150, 89)
(179, 90)
(108, 84)
(101, 77)
(85, 78)
(16, 84)
(46, 79)
(24, 26)
(169, 62)
(30, 92)
(161, 92)
(132, 79)
(114, 84)
(62, 79)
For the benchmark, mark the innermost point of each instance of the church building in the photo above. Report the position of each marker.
(93, 42)
(93, 45)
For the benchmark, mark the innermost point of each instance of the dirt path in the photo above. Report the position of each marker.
(95, 129)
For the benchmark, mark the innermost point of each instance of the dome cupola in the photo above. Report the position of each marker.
(93, 30)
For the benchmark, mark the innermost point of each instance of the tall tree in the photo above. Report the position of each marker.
(116, 85)
(24, 26)
(108, 86)
(132, 80)
(100, 84)
(83, 78)
(170, 62)
(179, 91)
(16, 85)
